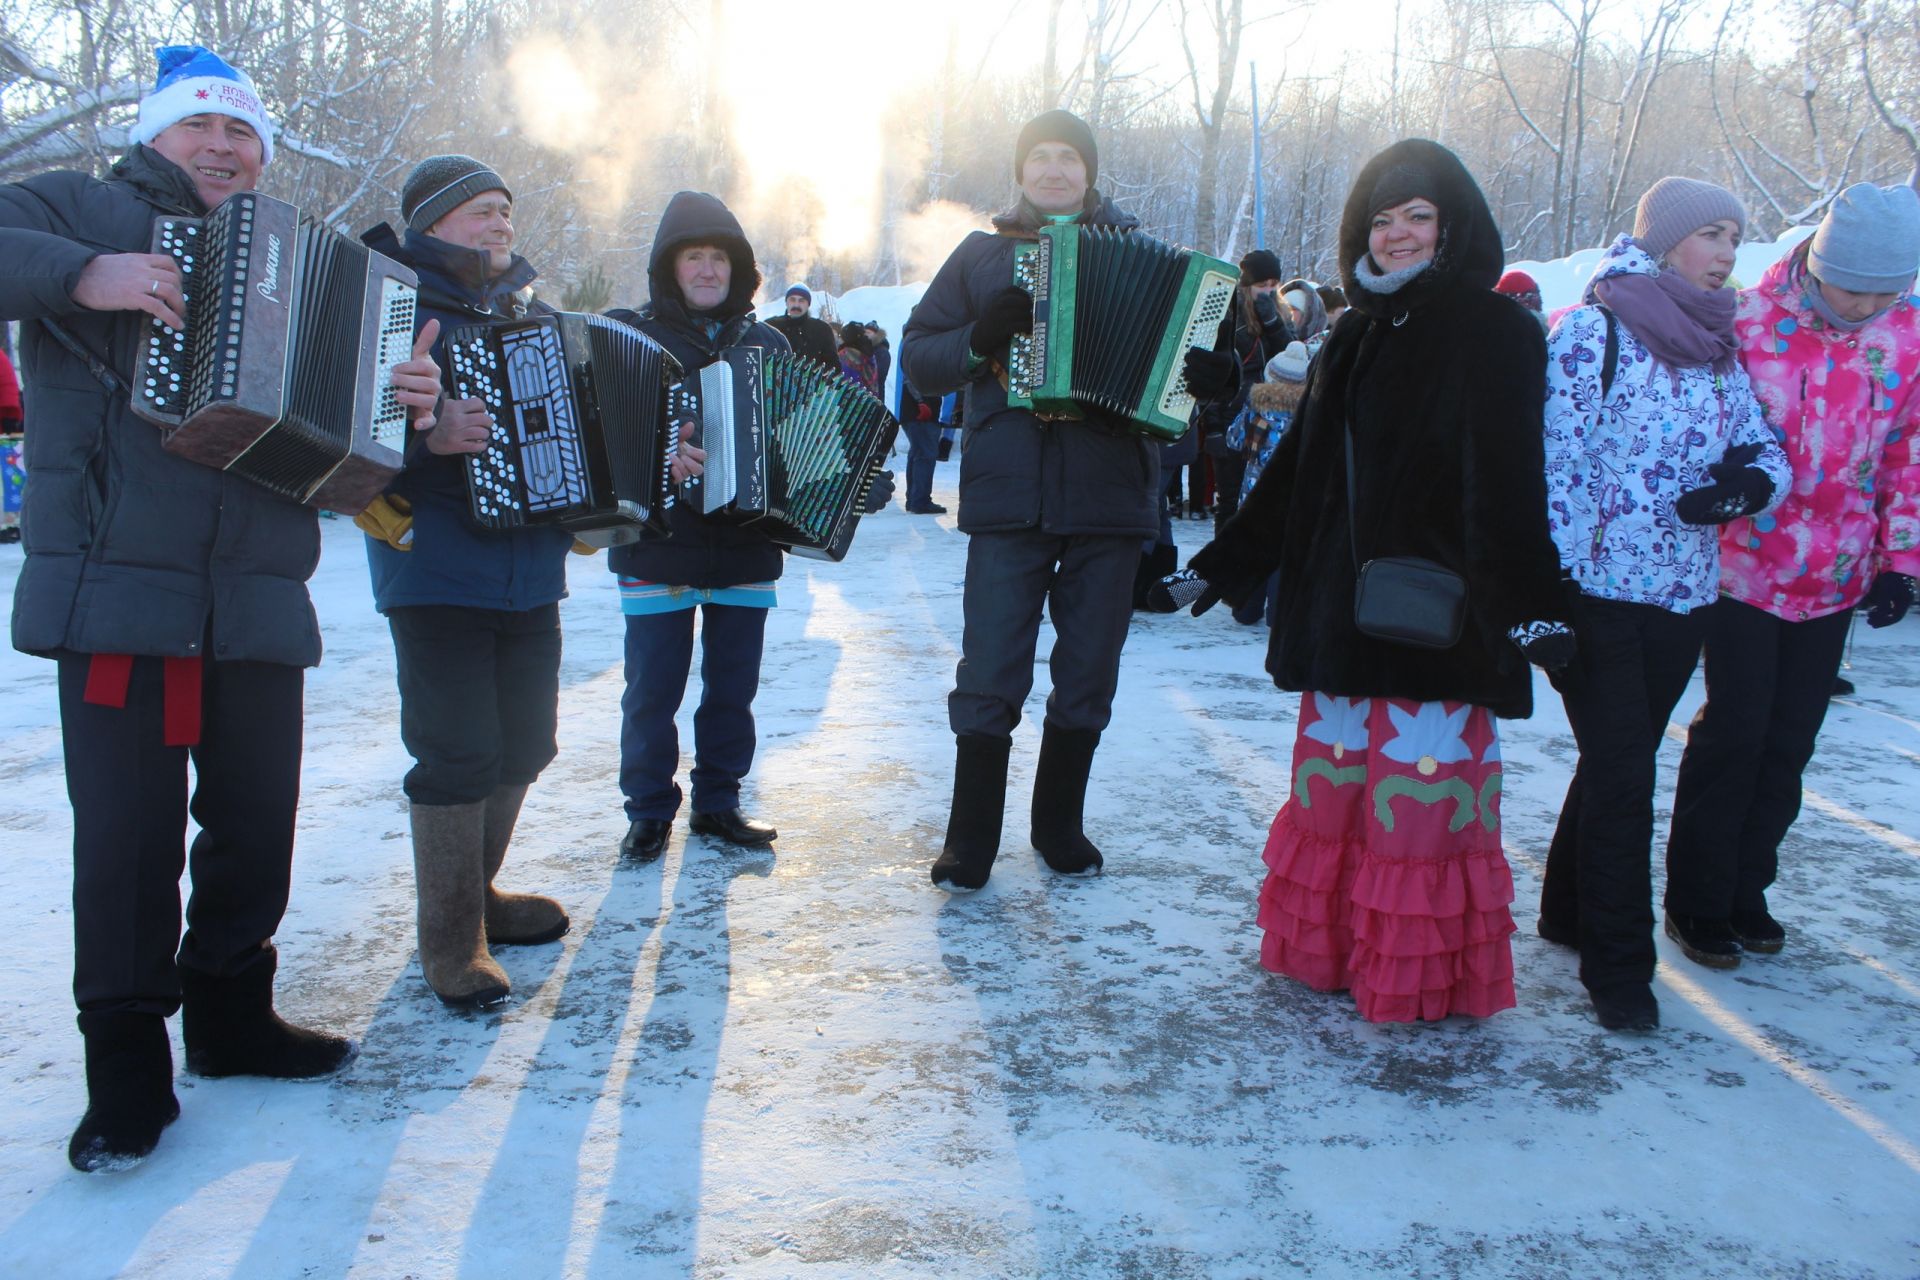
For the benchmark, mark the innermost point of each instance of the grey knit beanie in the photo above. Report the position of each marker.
(1869, 242)
(1675, 208)
(1289, 364)
(440, 184)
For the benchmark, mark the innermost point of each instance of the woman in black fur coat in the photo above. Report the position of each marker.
(1385, 872)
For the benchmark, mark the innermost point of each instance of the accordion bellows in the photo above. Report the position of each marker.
(792, 449)
(282, 373)
(1113, 315)
(579, 431)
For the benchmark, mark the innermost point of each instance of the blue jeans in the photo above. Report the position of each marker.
(923, 447)
(659, 659)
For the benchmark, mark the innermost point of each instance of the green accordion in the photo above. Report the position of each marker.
(1113, 315)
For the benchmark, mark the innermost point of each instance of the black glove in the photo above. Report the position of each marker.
(1008, 312)
(1889, 598)
(1178, 590)
(1211, 375)
(1547, 645)
(1739, 489)
(879, 495)
(1266, 309)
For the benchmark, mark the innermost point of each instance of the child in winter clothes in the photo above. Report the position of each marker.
(1831, 339)
(1255, 432)
(1646, 456)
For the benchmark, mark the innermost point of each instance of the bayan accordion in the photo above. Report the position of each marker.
(281, 374)
(791, 448)
(579, 430)
(1113, 315)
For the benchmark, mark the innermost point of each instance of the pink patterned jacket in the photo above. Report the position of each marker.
(1848, 410)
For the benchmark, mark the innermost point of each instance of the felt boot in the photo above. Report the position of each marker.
(129, 1091)
(230, 1029)
(514, 919)
(450, 881)
(1060, 797)
(979, 805)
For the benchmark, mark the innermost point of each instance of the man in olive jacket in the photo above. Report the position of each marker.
(173, 597)
(1056, 510)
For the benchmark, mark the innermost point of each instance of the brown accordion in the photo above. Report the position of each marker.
(282, 372)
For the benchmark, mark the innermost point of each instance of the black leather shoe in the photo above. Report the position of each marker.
(1758, 931)
(646, 839)
(732, 826)
(1626, 1008)
(1704, 941)
(929, 509)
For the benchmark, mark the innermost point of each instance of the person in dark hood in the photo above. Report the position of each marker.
(1418, 435)
(807, 335)
(173, 598)
(1056, 512)
(474, 612)
(701, 281)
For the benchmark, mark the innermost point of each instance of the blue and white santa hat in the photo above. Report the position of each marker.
(194, 80)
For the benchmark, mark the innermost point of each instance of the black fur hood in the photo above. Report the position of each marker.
(1470, 250)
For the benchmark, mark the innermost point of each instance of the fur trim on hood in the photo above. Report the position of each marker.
(1276, 397)
(1470, 249)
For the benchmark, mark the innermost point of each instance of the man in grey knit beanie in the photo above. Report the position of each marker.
(1675, 208)
(440, 184)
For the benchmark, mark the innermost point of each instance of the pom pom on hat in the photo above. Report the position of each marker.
(1290, 365)
(196, 81)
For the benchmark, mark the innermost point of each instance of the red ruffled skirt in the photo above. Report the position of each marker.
(1385, 874)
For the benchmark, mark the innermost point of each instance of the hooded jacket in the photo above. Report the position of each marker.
(1614, 470)
(703, 552)
(1849, 406)
(1441, 384)
(454, 561)
(1094, 476)
(131, 549)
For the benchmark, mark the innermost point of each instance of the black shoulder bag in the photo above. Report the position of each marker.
(1403, 599)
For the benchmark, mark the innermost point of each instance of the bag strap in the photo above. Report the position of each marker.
(1611, 356)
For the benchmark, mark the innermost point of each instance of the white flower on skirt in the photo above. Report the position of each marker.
(1342, 724)
(1429, 737)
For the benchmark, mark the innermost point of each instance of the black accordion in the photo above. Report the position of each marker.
(1113, 315)
(281, 374)
(579, 428)
(791, 448)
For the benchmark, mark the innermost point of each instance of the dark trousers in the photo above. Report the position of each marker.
(1768, 686)
(479, 697)
(659, 659)
(130, 807)
(1230, 471)
(1086, 584)
(923, 449)
(1633, 664)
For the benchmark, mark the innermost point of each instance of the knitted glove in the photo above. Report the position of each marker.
(1889, 598)
(1547, 645)
(1178, 590)
(390, 519)
(1739, 489)
(1211, 375)
(1008, 312)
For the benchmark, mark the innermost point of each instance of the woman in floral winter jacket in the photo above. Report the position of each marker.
(1649, 449)
(1831, 339)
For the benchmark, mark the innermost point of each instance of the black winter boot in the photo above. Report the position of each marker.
(979, 806)
(230, 1029)
(129, 1091)
(1705, 941)
(1060, 797)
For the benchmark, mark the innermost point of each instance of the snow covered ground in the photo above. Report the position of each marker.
(810, 1063)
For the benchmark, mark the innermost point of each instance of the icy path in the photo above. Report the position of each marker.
(812, 1064)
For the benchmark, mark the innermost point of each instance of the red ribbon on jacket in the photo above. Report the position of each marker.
(109, 674)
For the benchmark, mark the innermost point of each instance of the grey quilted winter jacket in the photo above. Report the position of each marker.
(129, 548)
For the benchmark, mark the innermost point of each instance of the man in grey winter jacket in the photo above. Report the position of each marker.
(1056, 512)
(173, 597)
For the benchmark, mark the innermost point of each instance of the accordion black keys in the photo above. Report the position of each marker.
(281, 374)
(579, 430)
(791, 448)
(1113, 315)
